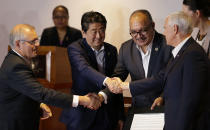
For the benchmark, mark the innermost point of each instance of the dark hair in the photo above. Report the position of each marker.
(92, 17)
(145, 12)
(202, 5)
(60, 6)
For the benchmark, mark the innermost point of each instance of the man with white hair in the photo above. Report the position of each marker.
(185, 79)
(21, 94)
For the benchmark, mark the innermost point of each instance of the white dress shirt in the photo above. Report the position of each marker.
(145, 57)
(176, 50)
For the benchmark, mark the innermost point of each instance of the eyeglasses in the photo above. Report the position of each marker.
(143, 31)
(60, 17)
(32, 42)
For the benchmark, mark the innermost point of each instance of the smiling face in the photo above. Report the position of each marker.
(27, 47)
(141, 29)
(95, 35)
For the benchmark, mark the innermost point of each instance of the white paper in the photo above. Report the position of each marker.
(48, 65)
(148, 121)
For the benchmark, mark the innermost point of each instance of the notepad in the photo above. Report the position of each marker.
(148, 121)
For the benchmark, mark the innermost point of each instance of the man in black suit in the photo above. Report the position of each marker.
(92, 60)
(184, 81)
(142, 56)
(21, 94)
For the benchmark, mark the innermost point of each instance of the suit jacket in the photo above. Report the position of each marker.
(86, 79)
(206, 42)
(21, 94)
(186, 89)
(50, 37)
(130, 62)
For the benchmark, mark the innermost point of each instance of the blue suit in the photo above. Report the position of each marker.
(186, 89)
(86, 79)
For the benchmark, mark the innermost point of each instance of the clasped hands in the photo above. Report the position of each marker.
(115, 85)
(91, 100)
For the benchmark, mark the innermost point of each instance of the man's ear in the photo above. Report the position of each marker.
(17, 44)
(198, 13)
(175, 29)
(153, 25)
(83, 34)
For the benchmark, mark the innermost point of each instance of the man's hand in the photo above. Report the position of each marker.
(158, 102)
(101, 98)
(120, 124)
(91, 101)
(46, 111)
(113, 84)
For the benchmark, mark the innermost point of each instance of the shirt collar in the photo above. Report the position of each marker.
(20, 55)
(102, 48)
(149, 47)
(176, 50)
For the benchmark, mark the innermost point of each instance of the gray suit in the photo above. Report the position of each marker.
(130, 62)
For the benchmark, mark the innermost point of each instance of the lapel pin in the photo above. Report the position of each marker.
(156, 49)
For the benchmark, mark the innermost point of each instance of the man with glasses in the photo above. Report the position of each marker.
(142, 56)
(21, 94)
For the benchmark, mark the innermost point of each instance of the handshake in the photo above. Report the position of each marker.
(115, 85)
(91, 101)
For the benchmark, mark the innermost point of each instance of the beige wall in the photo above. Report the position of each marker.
(38, 13)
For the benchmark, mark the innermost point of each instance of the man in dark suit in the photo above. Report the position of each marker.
(61, 34)
(20, 93)
(142, 56)
(185, 79)
(91, 59)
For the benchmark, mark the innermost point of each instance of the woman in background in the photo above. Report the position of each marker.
(61, 34)
(199, 11)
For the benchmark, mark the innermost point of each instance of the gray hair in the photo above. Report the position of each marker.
(183, 21)
(18, 33)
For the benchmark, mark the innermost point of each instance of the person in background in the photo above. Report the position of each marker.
(21, 94)
(199, 11)
(61, 34)
(92, 60)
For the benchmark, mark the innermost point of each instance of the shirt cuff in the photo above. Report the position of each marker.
(104, 95)
(104, 81)
(75, 102)
(127, 88)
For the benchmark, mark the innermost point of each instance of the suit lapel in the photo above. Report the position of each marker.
(90, 53)
(138, 58)
(154, 55)
(107, 58)
(171, 64)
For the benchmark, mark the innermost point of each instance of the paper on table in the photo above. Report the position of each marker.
(148, 121)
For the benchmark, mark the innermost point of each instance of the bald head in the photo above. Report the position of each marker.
(19, 33)
(141, 15)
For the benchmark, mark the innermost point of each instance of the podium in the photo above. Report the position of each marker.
(57, 76)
